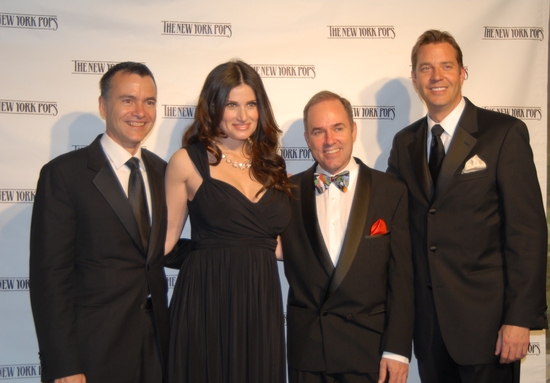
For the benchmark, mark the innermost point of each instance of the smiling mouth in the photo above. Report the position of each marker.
(136, 124)
(438, 88)
(332, 151)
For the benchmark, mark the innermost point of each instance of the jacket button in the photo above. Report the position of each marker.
(325, 313)
(433, 248)
(143, 306)
(432, 211)
(349, 317)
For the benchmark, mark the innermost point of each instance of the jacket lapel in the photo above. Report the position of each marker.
(461, 145)
(417, 151)
(311, 222)
(355, 228)
(108, 185)
(156, 186)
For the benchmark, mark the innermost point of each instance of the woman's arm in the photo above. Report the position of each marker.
(177, 175)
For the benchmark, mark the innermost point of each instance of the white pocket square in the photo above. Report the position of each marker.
(474, 164)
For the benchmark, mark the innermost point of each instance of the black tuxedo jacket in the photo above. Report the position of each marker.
(478, 239)
(89, 274)
(340, 319)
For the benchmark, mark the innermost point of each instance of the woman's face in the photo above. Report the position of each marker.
(240, 117)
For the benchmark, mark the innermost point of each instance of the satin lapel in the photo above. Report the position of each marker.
(156, 186)
(108, 185)
(461, 145)
(311, 222)
(417, 151)
(355, 228)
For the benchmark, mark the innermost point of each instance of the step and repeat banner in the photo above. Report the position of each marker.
(54, 52)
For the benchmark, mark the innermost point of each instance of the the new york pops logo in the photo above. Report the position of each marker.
(285, 70)
(45, 108)
(197, 29)
(513, 33)
(18, 20)
(361, 32)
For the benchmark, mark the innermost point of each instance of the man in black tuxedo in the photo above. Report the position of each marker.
(477, 226)
(97, 283)
(347, 260)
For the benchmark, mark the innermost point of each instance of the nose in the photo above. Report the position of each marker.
(139, 110)
(330, 138)
(242, 114)
(436, 74)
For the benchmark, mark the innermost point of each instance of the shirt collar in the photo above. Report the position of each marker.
(116, 153)
(352, 167)
(450, 122)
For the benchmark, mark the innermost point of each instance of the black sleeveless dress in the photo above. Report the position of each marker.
(226, 308)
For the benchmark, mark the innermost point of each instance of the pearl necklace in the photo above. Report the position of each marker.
(235, 164)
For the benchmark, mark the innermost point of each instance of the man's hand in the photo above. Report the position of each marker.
(80, 378)
(512, 343)
(395, 370)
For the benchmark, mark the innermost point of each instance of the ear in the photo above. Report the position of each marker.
(463, 75)
(413, 77)
(102, 107)
(306, 136)
(354, 133)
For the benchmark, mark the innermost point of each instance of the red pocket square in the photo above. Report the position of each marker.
(378, 228)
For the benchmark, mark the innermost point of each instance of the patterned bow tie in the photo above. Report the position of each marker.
(323, 181)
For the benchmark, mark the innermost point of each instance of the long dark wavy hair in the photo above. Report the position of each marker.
(268, 167)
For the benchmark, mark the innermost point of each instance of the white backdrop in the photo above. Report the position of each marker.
(54, 52)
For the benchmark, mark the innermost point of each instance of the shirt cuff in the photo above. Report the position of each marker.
(399, 358)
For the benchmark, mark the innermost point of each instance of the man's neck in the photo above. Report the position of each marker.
(438, 115)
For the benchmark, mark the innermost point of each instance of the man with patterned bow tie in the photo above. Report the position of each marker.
(97, 283)
(347, 260)
(477, 226)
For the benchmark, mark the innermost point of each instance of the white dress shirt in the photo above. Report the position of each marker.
(118, 156)
(448, 124)
(333, 210)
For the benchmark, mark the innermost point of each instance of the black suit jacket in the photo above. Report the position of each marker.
(479, 239)
(89, 274)
(340, 319)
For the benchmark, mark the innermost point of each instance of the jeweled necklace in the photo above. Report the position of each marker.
(237, 165)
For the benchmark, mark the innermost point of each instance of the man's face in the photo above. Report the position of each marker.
(329, 135)
(438, 79)
(129, 109)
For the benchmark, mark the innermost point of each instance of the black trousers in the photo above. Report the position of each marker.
(439, 367)
(298, 376)
(151, 358)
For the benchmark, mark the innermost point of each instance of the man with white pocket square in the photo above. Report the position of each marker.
(347, 259)
(478, 227)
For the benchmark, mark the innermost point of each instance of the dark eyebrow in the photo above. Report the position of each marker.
(134, 97)
(246, 102)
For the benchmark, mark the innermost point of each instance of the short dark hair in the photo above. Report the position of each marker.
(125, 67)
(326, 95)
(433, 36)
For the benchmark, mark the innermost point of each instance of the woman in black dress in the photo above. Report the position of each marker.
(226, 308)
